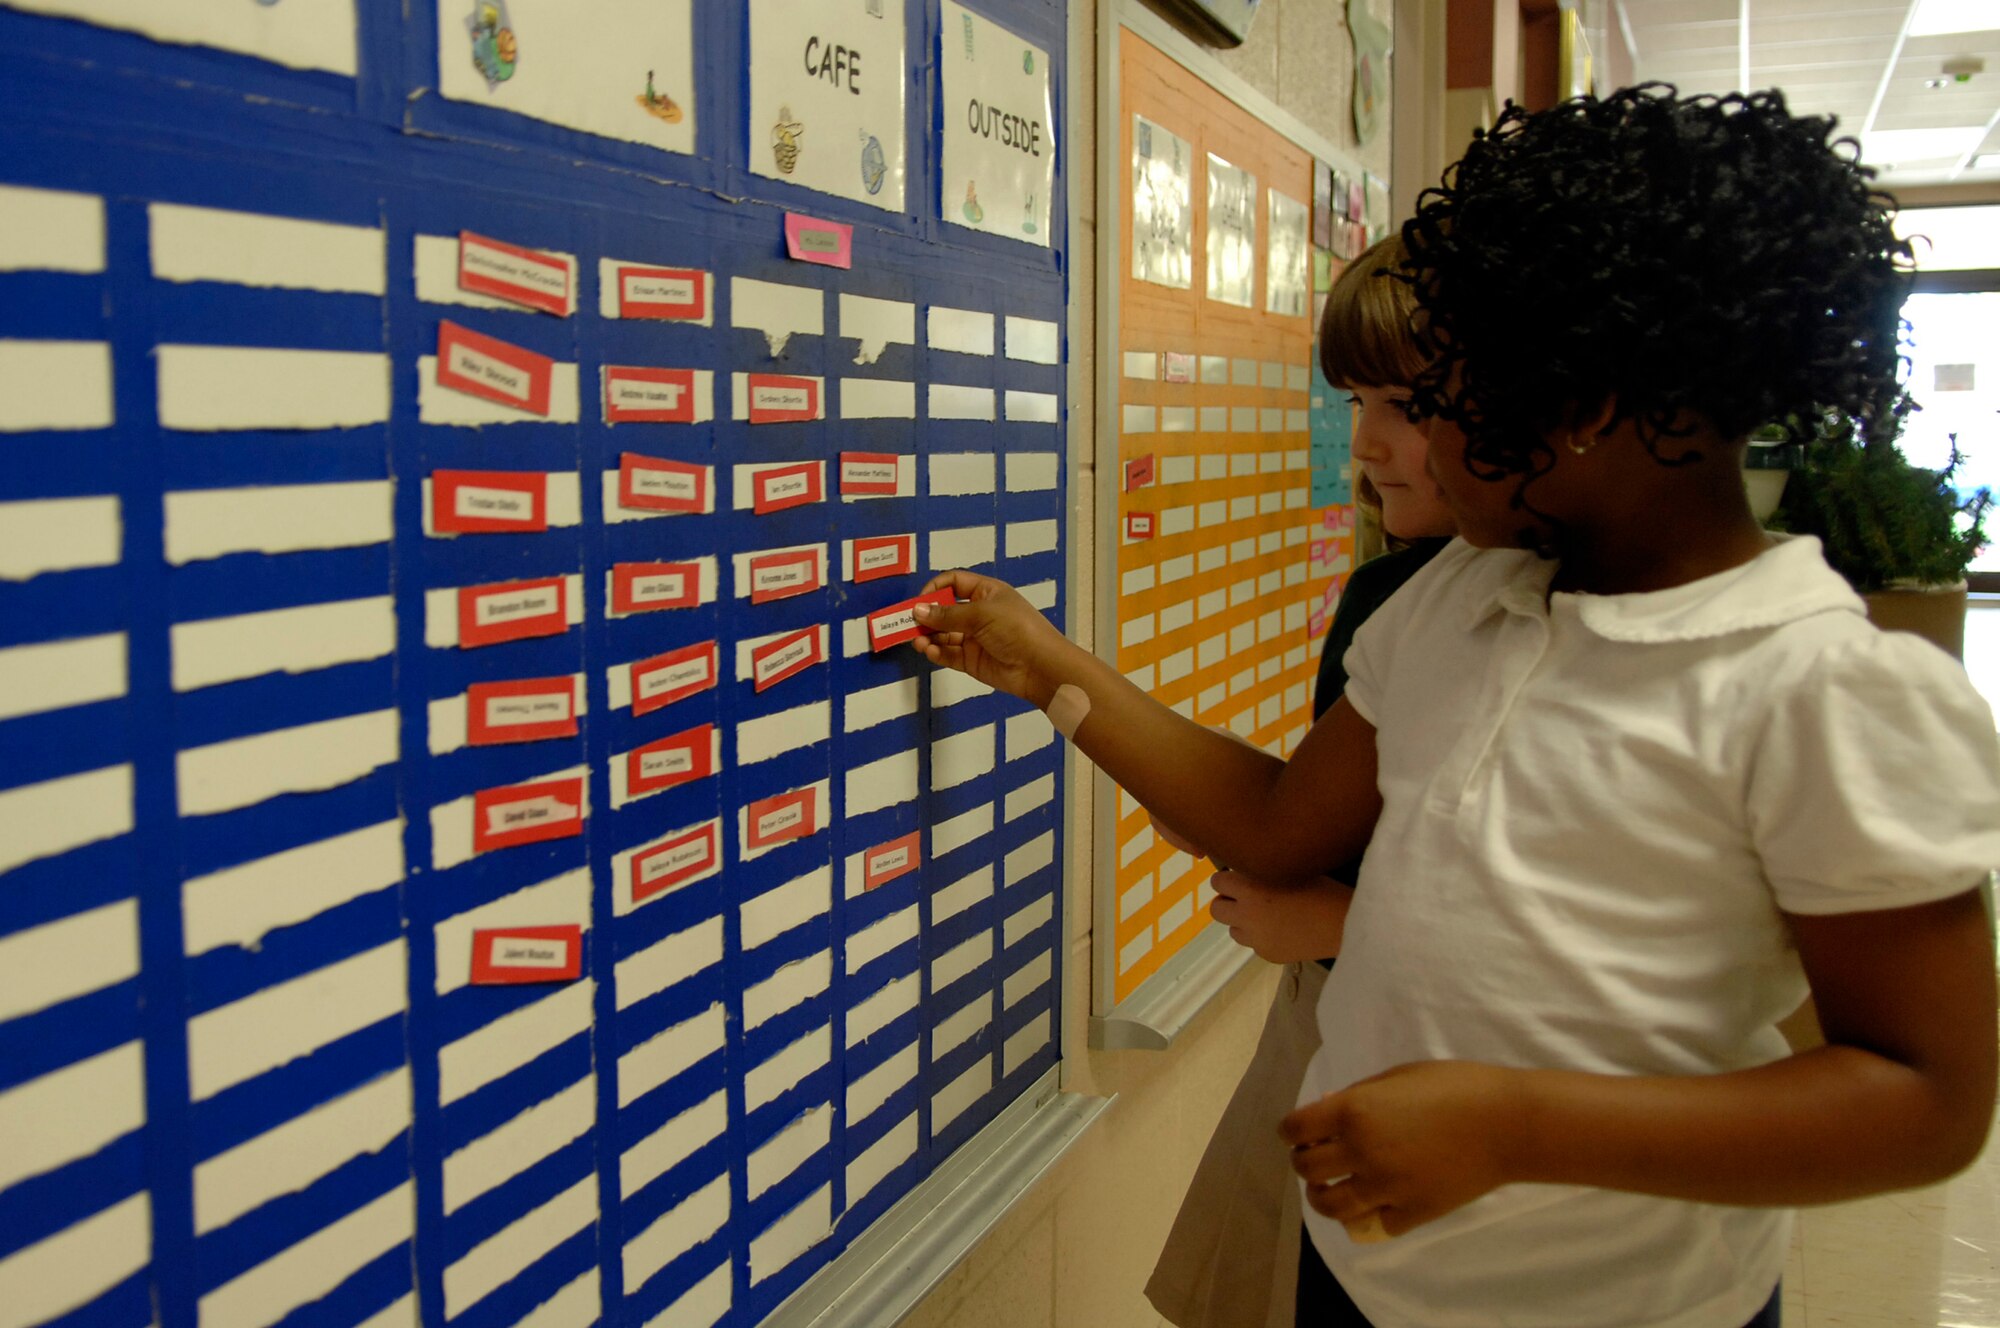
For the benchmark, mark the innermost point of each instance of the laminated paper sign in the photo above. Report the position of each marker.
(826, 96)
(776, 489)
(520, 710)
(999, 149)
(775, 661)
(665, 679)
(885, 862)
(884, 555)
(637, 395)
(509, 272)
(492, 369)
(868, 472)
(512, 611)
(466, 502)
(784, 817)
(527, 814)
(507, 956)
(898, 623)
(654, 484)
(782, 398)
(642, 587)
(675, 861)
(783, 575)
(681, 759)
(671, 293)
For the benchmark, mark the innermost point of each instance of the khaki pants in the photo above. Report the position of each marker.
(1232, 1258)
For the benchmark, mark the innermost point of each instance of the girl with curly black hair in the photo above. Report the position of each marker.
(1632, 774)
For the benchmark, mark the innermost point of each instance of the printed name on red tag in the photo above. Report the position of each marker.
(654, 484)
(898, 623)
(777, 819)
(506, 956)
(468, 502)
(512, 611)
(665, 679)
(783, 575)
(643, 587)
(780, 398)
(1138, 525)
(509, 272)
(778, 659)
(492, 369)
(659, 869)
(1179, 368)
(633, 395)
(519, 710)
(681, 759)
(868, 472)
(787, 486)
(527, 813)
(884, 555)
(662, 292)
(810, 240)
(1138, 472)
(885, 862)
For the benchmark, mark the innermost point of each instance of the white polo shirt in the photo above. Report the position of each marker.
(1595, 809)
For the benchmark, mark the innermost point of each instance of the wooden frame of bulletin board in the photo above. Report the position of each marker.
(1223, 573)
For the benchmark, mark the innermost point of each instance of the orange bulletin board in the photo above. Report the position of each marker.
(1223, 574)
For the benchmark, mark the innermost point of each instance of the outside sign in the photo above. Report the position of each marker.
(999, 128)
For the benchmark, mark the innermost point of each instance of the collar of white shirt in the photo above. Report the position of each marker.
(1787, 582)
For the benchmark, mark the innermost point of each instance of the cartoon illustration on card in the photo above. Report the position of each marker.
(874, 164)
(656, 103)
(785, 136)
(494, 48)
(973, 212)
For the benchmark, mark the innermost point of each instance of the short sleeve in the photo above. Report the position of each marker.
(1876, 781)
(1367, 661)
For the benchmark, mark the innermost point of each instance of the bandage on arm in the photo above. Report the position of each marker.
(1067, 709)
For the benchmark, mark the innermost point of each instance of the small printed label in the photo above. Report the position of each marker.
(885, 862)
(784, 817)
(527, 813)
(505, 956)
(884, 555)
(783, 575)
(869, 472)
(492, 369)
(519, 710)
(1138, 472)
(777, 660)
(512, 611)
(898, 623)
(654, 484)
(466, 502)
(1179, 368)
(681, 759)
(1138, 525)
(810, 240)
(781, 398)
(642, 587)
(662, 292)
(665, 679)
(787, 486)
(509, 272)
(659, 869)
(634, 395)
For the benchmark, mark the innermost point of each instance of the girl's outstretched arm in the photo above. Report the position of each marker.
(1283, 821)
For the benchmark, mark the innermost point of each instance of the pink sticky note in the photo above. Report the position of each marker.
(828, 243)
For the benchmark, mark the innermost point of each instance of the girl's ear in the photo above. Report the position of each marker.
(1584, 425)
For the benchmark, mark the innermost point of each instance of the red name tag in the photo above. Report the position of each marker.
(674, 862)
(1138, 525)
(783, 575)
(509, 272)
(898, 623)
(467, 502)
(493, 369)
(869, 472)
(1179, 368)
(634, 395)
(781, 398)
(665, 679)
(1138, 472)
(520, 710)
(885, 862)
(777, 660)
(787, 486)
(506, 956)
(884, 555)
(527, 813)
(654, 484)
(662, 292)
(784, 817)
(512, 611)
(643, 587)
(681, 759)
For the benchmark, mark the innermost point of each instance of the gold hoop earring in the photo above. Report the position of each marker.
(1581, 448)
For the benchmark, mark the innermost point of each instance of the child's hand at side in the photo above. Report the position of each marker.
(1286, 924)
(1407, 1146)
(993, 634)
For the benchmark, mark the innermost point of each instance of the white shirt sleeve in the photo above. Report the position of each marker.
(1369, 656)
(1876, 781)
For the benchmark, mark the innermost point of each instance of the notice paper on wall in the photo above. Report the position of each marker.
(826, 96)
(999, 127)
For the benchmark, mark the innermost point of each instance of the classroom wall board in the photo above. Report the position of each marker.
(470, 850)
(1226, 565)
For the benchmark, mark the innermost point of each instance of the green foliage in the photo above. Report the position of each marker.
(1881, 520)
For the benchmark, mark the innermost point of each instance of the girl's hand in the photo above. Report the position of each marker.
(992, 634)
(1286, 924)
(1408, 1146)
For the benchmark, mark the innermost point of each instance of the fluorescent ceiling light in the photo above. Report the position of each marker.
(1936, 17)
(1891, 148)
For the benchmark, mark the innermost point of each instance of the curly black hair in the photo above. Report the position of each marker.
(1694, 260)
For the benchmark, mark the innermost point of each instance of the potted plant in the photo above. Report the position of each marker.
(1901, 534)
